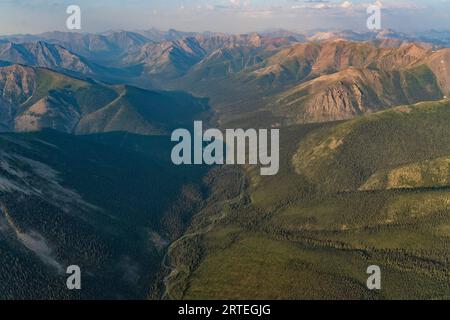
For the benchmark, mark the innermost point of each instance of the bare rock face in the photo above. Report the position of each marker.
(17, 83)
(338, 80)
(52, 112)
(301, 61)
(332, 97)
(174, 58)
(439, 62)
(354, 92)
(171, 58)
(43, 54)
(220, 41)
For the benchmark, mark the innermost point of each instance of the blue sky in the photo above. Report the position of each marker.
(34, 16)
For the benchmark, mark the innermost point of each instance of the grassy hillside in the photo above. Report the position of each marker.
(424, 174)
(144, 112)
(342, 158)
(331, 215)
(43, 99)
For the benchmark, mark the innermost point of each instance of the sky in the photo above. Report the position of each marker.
(232, 16)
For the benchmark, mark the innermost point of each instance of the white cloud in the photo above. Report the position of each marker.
(346, 4)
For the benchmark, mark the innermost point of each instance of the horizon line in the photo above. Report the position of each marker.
(274, 29)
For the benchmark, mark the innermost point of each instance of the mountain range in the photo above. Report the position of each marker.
(86, 176)
(344, 78)
(37, 98)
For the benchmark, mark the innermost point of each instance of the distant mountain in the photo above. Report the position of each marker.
(157, 35)
(350, 35)
(125, 40)
(384, 37)
(332, 80)
(96, 47)
(282, 33)
(214, 42)
(300, 61)
(351, 79)
(324, 80)
(328, 35)
(353, 92)
(340, 35)
(169, 59)
(165, 55)
(104, 47)
(36, 98)
(46, 55)
(433, 36)
(439, 63)
(226, 62)
(173, 59)
(293, 63)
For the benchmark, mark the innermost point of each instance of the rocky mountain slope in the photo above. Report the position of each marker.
(319, 82)
(43, 54)
(36, 98)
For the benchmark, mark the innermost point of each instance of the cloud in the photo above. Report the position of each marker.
(346, 4)
(222, 15)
